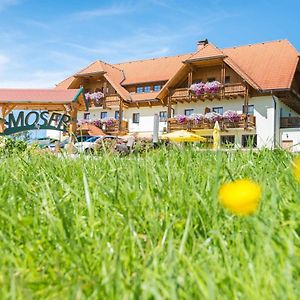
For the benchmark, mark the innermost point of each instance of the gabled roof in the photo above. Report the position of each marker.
(151, 70)
(95, 67)
(208, 51)
(112, 74)
(270, 65)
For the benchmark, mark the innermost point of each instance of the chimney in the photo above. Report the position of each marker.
(201, 44)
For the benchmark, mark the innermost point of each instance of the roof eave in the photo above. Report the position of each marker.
(203, 58)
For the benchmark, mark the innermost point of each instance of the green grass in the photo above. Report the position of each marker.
(147, 227)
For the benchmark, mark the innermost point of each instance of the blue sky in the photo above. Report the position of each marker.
(44, 41)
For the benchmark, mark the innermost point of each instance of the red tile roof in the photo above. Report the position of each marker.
(270, 65)
(208, 51)
(265, 66)
(42, 96)
(151, 70)
(144, 96)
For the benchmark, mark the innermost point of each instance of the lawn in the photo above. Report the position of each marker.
(147, 227)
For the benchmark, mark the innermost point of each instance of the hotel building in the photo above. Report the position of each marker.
(259, 82)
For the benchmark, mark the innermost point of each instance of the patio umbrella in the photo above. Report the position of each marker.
(183, 136)
(216, 136)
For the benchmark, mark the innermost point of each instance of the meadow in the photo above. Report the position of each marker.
(147, 227)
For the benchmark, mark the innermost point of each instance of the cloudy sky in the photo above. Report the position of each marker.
(44, 41)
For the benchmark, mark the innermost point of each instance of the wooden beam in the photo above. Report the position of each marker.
(73, 123)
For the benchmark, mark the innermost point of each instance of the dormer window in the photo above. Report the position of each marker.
(147, 89)
(139, 89)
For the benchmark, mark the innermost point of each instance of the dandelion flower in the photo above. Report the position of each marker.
(297, 168)
(241, 197)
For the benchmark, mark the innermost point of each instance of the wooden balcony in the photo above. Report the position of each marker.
(232, 90)
(244, 123)
(109, 101)
(290, 122)
(114, 128)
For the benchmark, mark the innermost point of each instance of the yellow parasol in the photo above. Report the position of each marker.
(216, 136)
(183, 136)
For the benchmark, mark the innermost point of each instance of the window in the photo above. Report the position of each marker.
(188, 112)
(157, 88)
(228, 140)
(86, 116)
(211, 79)
(117, 115)
(250, 109)
(139, 89)
(103, 115)
(227, 79)
(249, 141)
(147, 89)
(136, 118)
(163, 116)
(218, 110)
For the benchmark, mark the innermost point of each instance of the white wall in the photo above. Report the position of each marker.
(146, 119)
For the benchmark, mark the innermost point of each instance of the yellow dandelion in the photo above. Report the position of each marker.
(297, 167)
(240, 197)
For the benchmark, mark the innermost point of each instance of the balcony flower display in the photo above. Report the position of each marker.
(181, 119)
(212, 87)
(97, 123)
(197, 88)
(231, 116)
(213, 117)
(202, 88)
(109, 121)
(96, 96)
(197, 118)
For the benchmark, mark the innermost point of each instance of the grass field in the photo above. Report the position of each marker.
(147, 227)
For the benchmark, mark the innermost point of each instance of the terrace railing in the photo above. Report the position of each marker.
(290, 122)
(226, 91)
(109, 101)
(245, 122)
(113, 129)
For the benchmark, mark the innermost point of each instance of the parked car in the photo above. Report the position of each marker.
(92, 144)
(42, 142)
(82, 138)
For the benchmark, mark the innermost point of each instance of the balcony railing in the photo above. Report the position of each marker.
(290, 122)
(226, 91)
(114, 129)
(109, 101)
(243, 123)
